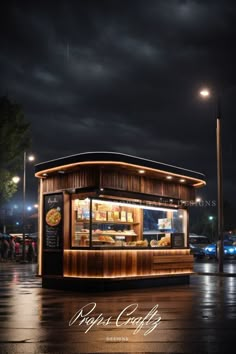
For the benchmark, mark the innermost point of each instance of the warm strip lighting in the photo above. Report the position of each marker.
(141, 171)
(182, 180)
(169, 177)
(197, 181)
(155, 251)
(139, 206)
(136, 275)
(166, 251)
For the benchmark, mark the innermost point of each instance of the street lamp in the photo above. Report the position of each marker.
(206, 93)
(16, 179)
(29, 158)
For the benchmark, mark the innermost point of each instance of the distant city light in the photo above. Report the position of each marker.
(36, 206)
(17, 223)
(29, 208)
(211, 217)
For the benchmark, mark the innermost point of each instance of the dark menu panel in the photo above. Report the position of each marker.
(177, 240)
(53, 221)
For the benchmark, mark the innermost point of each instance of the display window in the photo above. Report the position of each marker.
(103, 223)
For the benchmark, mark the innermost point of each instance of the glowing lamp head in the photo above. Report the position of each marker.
(205, 93)
(31, 158)
(16, 179)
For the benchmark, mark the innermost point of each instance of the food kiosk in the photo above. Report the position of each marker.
(109, 220)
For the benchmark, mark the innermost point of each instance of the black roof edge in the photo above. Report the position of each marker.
(117, 157)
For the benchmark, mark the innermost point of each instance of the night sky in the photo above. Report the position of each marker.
(124, 76)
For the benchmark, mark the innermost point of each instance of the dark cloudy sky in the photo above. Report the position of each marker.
(124, 76)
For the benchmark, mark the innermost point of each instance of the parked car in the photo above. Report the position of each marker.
(199, 240)
(229, 250)
(197, 251)
(197, 244)
(232, 238)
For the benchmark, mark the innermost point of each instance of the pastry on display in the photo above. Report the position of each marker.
(107, 239)
(130, 244)
(164, 241)
(153, 243)
(142, 243)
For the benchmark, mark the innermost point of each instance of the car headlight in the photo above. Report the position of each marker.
(210, 249)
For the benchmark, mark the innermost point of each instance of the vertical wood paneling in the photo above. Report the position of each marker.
(66, 223)
(117, 263)
(84, 177)
(119, 180)
(151, 186)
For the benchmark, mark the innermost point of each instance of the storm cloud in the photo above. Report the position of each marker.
(124, 76)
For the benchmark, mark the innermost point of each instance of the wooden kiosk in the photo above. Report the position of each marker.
(111, 221)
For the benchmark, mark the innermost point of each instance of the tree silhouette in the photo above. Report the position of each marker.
(14, 139)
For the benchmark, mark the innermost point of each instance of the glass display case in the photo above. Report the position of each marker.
(110, 223)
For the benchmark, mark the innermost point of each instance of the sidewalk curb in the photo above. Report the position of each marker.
(218, 274)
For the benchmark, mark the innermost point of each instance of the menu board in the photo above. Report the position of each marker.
(177, 240)
(53, 220)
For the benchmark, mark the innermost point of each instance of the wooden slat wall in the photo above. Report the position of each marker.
(123, 181)
(84, 177)
(119, 180)
(66, 221)
(123, 263)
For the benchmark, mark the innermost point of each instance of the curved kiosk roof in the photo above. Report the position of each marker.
(142, 165)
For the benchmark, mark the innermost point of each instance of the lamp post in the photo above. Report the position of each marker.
(211, 218)
(30, 158)
(205, 93)
(220, 188)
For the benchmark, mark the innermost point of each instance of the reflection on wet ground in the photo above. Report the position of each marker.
(195, 318)
(211, 266)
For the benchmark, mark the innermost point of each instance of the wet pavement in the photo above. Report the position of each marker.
(195, 318)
